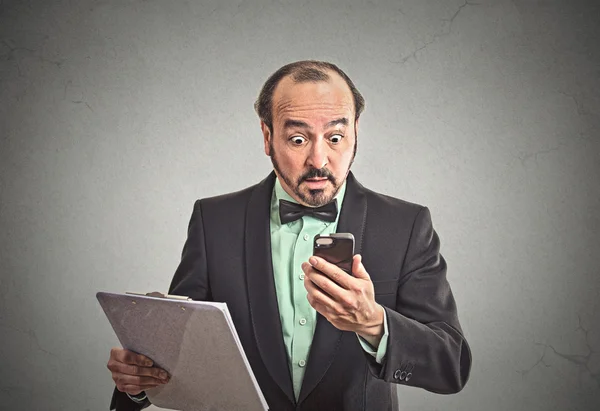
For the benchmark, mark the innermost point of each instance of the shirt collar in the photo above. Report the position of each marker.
(280, 194)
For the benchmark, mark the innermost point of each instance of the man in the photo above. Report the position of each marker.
(316, 337)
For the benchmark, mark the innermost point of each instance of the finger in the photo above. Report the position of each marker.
(320, 300)
(332, 271)
(124, 379)
(315, 298)
(130, 357)
(332, 289)
(136, 370)
(358, 269)
(314, 290)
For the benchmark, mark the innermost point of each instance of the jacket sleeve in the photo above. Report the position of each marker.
(425, 347)
(121, 402)
(190, 279)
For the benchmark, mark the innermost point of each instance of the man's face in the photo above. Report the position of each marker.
(314, 138)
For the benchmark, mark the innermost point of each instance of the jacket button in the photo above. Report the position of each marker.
(397, 374)
(408, 376)
(402, 375)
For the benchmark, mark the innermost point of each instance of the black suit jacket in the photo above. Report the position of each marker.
(227, 258)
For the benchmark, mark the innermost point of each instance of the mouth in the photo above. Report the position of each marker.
(316, 183)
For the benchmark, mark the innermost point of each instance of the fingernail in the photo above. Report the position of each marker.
(163, 375)
(148, 363)
(312, 261)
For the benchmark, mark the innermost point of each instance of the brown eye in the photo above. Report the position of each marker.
(298, 140)
(336, 138)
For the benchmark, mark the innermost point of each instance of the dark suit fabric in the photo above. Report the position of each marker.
(227, 258)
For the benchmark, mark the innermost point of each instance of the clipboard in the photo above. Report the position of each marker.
(195, 342)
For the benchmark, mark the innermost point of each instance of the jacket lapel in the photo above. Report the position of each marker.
(327, 338)
(264, 310)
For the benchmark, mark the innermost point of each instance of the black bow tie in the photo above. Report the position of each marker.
(289, 211)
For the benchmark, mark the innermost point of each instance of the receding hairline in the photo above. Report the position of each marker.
(300, 72)
(326, 79)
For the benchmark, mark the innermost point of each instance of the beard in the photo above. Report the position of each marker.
(314, 198)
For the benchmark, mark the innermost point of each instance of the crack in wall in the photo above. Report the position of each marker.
(83, 102)
(541, 360)
(581, 110)
(80, 100)
(12, 50)
(581, 361)
(445, 31)
(12, 55)
(525, 156)
(32, 336)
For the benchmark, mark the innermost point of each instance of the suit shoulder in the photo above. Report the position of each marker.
(381, 201)
(223, 200)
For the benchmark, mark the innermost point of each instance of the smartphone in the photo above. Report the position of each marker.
(336, 248)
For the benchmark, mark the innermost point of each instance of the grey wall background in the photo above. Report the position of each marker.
(116, 115)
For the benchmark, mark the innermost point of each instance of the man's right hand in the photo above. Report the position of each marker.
(134, 373)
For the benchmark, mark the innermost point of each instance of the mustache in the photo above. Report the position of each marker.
(317, 173)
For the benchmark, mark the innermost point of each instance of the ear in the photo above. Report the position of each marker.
(266, 136)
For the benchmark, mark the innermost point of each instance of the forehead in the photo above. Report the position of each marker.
(319, 100)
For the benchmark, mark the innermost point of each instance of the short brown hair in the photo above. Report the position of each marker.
(302, 72)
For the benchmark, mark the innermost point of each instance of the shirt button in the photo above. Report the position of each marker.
(301, 276)
(305, 237)
(302, 321)
(301, 363)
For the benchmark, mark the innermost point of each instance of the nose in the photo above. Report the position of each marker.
(317, 157)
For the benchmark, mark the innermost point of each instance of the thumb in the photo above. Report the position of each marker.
(358, 269)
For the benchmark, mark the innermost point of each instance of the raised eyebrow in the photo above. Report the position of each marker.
(295, 123)
(340, 121)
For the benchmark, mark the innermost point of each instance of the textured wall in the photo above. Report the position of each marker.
(116, 115)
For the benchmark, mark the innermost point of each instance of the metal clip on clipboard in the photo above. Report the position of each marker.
(157, 294)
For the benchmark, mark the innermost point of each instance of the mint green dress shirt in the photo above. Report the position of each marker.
(292, 245)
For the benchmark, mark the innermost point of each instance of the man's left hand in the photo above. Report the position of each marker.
(347, 301)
